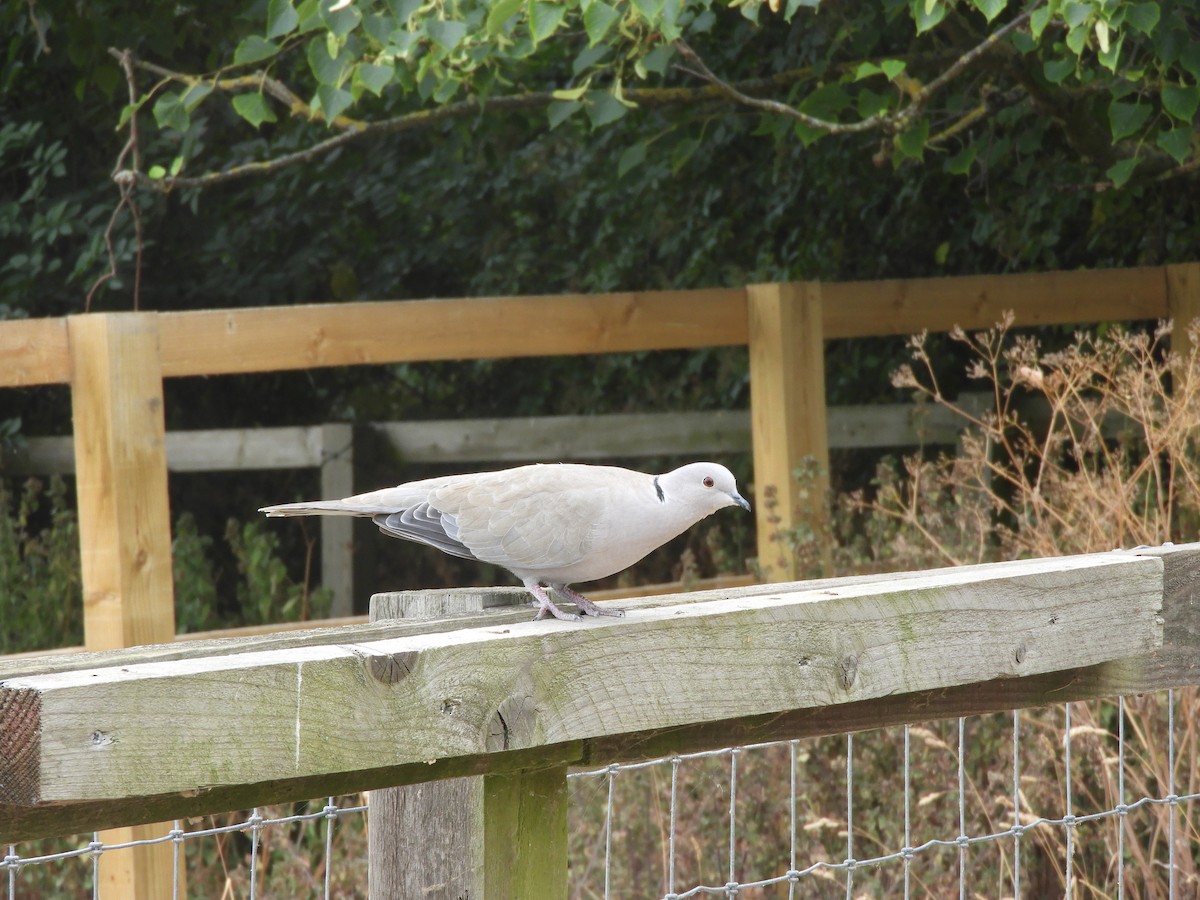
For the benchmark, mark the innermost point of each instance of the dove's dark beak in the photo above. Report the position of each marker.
(740, 501)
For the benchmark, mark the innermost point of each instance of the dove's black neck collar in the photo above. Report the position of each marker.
(662, 498)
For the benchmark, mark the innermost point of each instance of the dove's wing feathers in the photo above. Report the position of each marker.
(424, 525)
(529, 519)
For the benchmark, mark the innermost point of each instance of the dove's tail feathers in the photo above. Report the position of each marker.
(318, 508)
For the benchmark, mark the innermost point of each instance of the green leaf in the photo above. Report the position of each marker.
(169, 112)
(1189, 58)
(1119, 173)
(374, 77)
(649, 10)
(1076, 14)
(157, 172)
(961, 162)
(603, 108)
(327, 69)
(866, 70)
(340, 21)
(588, 57)
(990, 8)
(402, 10)
(1039, 20)
(668, 23)
(1077, 39)
(1111, 54)
(656, 60)
(872, 104)
(253, 108)
(1181, 102)
(558, 113)
(195, 93)
(1177, 142)
(500, 13)
(1126, 118)
(1143, 16)
(380, 28)
(927, 14)
(176, 165)
(282, 18)
(1057, 70)
(892, 68)
(826, 102)
(544, 19)
(633, 157)
(446, 35)
(598, 19)
(252, 49)
(333, 101)
(911, 141)
(794, 6)
(807, 134)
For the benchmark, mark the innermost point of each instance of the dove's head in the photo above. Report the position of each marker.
(704, 485)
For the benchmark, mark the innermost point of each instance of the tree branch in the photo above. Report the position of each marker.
(353, 130)
(891, 122)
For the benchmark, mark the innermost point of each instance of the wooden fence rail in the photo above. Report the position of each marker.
(115, 364)
(180, 730)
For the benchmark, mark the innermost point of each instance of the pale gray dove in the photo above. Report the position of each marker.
(550, 525)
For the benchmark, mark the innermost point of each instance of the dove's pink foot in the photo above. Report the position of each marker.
(586, 606)
(545, 605)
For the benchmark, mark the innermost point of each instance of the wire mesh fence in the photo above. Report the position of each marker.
(1087, 799)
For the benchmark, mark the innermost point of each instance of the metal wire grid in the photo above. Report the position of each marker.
(12, 863)
(794, 875)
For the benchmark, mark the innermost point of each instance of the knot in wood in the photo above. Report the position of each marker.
(389, 668)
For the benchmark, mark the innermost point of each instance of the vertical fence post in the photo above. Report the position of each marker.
(1183, 303)
(500, 837)
(337, 532)
(124, 529)
(788, 417)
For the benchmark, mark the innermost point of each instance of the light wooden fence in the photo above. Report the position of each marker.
(115, 365)
(264, 720)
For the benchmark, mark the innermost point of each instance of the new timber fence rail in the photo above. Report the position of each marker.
(115, 364)
(503, 705)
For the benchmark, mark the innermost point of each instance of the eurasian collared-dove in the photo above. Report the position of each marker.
(550, 525)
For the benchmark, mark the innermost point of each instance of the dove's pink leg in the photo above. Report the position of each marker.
(545, 605)
(586, 606)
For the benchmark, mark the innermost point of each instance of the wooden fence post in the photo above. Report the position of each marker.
(1183, 303)
(788, 417)
(124, 530)
(499, 837)
(337, 532)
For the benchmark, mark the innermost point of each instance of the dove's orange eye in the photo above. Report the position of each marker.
(708, 482)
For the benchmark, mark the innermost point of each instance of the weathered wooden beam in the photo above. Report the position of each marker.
(124, 526)
(788, 416)
(212, 342)
(1183, 304)
(870, 308)
(307, 713)
(501, 835)
(34, 351)
(1175, 664)
(526, 439)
